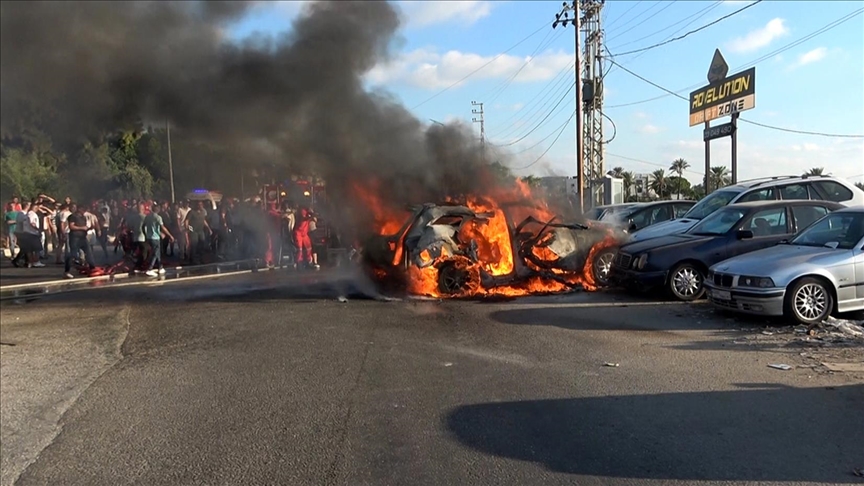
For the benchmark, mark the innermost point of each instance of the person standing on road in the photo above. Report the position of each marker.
(301, 238)
(154, 228)
(24, 243)
(77, 223)
(180, 219)
(62, 220)
(198, 230)
(10, 218)
(135, 224)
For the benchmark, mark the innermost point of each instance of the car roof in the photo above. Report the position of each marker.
(784, 202)
(777, 180)
(619, 205)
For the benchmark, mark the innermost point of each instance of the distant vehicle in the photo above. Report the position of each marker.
(818, 272)
(821, 188)
(680, 262)
(597, 213)
(204, 195)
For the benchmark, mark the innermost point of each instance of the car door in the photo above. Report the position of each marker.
(769, 227)
(859, 274)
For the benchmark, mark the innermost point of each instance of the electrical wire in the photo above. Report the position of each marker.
(614, 129)
(540, 141)
(540, 47)
(795, 43)
(802, 132)
(703, 11)
(541, 123)
(611, 22)
(655, 164)
(550, 146)
(669, 41)
(565, 84)
(553, 82)
(644, 20)
(640, 14)
(514, 46)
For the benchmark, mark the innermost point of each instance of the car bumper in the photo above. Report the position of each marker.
(762, 302)
(631, 278)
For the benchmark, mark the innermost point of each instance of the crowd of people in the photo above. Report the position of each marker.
(148, 231)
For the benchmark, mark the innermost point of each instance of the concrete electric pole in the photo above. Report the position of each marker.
(482, 121)
(563, 18)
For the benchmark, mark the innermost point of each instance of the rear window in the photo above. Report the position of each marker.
(794, 191)
(833, 191)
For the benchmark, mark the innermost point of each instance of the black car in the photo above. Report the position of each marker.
(635, 216)
(680, 262)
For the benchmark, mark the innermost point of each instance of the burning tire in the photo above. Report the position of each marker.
(602, 266)
(454, 279)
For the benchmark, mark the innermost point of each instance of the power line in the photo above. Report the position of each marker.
(636, 17)
(644, 20)
(611, 22)
(802, 132)
(655, 164)
(542, 139)
(539, 124)
(505, 84)
(514, 46)
(820, 31)
(715, 4)
(832, 135)
(548, 100)
(691, 32)
(554, 82)
(550, 146)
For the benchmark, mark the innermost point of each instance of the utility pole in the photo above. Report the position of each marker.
(479, 119)
(563, 18)
(170, 161)
(592, 98)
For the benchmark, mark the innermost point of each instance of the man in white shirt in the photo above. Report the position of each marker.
(32, 239)
(62, 233)
(93, 230)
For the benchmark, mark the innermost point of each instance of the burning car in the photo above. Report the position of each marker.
(469, 250)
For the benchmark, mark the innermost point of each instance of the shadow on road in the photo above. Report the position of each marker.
(758, 433)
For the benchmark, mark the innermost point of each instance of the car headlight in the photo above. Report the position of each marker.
(640, 262)
(755, 282)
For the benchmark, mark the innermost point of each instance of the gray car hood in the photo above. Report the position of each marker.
(666, 228)
(768, 261)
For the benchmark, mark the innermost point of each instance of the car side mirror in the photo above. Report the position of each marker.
(744, 234)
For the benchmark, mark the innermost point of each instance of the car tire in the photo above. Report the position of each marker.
(808, 301)
(602, 265)
(452, 279)
(686, 282)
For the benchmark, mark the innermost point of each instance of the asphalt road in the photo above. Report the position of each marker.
(269, 379)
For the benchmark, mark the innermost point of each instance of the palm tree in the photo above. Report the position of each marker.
(719, 176)
(678, 167)
(617, 172)
(860, 185)
(815, 171)
(658, 182)
(627, 182)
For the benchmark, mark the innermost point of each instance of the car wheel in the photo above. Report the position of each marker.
(453, 279)
(809, 301)
(602, 266)
(686, 282)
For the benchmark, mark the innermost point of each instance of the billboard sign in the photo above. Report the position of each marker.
(733, 94)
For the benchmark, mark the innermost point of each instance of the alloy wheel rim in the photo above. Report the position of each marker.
(604, 265)
(811, 301)
(687, 282)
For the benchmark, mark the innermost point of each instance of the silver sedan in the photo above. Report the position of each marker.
(818, 272)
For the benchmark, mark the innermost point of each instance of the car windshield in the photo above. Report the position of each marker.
(718, 223)
(617, 212)
(711, 203)
(845, 229)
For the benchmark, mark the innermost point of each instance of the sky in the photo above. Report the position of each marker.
(813, 84)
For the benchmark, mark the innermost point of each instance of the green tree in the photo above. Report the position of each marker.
(719, 177)
(860, 185)
(617, 172)
(26, 174)
(815, 171)
(531, 180)
(678, 167)
(627, 182)
(659, 183)
(697, 192)
(681, 184)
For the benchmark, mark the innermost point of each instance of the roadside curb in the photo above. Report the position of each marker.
(121, 276)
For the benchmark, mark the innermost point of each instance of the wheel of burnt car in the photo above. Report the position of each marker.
(602, 266)
(452, 279)
(686, 282)
(808, 301)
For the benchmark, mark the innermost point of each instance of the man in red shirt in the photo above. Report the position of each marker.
(301, 237)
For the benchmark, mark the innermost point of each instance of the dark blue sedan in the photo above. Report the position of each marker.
(680, 262)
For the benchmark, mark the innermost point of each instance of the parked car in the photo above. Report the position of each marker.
(597, 213)
(680, 262)
(818, 272)
(632, 217)
(822, 188)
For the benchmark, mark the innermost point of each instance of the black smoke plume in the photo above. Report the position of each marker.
(297, 101)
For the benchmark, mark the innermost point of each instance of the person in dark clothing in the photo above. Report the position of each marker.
(198, 230)
(77, 223)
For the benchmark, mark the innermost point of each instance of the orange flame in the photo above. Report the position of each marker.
(493, 240)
